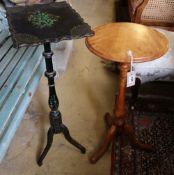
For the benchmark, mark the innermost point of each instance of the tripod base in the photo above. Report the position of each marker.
(50, 134)
(55, 116)
(114, 128)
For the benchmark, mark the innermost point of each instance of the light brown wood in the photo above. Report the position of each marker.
(138, 12)
(119, 110)
(117, 123)
(112, 42)
(104, 147)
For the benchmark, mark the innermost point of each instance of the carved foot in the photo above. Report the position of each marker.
(108, 139)
(129, 131)
(50, 135)
(71, 140)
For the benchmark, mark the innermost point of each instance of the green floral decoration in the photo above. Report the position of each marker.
(42, 19)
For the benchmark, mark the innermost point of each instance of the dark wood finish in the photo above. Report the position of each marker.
(99, 45)
(56, 125)
(42, 24)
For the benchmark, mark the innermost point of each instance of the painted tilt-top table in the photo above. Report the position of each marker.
(43, 24)
(112, 42)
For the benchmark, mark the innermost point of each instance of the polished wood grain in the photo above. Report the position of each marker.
(112, 42)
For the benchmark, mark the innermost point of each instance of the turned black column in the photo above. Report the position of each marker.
(59, 22)
(56, 125)
(55, 115)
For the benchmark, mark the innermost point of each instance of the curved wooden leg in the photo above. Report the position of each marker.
(129, 131)
(108, 119)
(50, 135)
(108, 139)
(71, 140)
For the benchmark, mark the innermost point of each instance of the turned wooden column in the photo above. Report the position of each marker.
(112, 42)
(119, 110)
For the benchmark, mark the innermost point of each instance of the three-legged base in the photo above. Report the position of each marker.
(63, 129)
(117, 126)
(56, 125)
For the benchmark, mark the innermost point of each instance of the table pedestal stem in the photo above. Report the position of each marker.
(57, 126)
(117, 122)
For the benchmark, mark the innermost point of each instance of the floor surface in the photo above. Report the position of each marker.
(86, 91)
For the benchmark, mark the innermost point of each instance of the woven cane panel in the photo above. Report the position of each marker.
(159, 11)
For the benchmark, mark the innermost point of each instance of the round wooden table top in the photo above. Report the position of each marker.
(113, 41)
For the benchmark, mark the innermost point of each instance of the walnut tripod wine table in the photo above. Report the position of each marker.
(112, 42)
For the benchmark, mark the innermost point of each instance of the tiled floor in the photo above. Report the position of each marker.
(86, 92)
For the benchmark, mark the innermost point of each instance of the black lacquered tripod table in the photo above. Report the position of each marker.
(43, 24)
